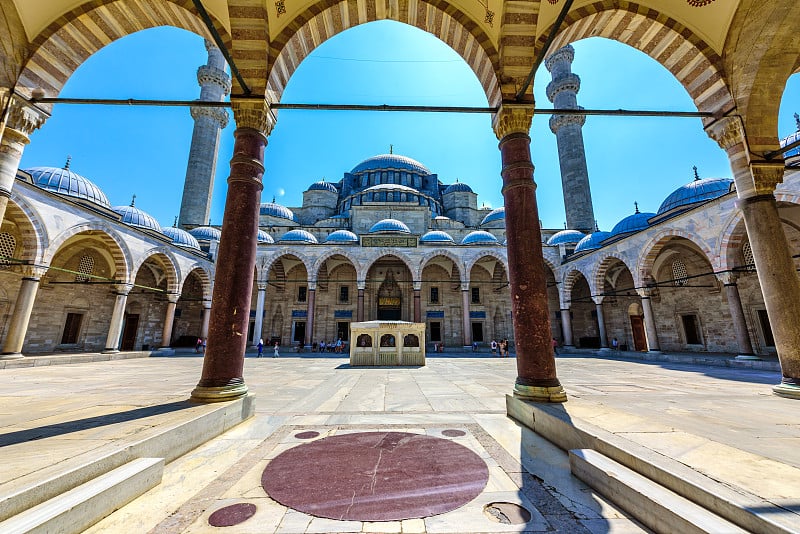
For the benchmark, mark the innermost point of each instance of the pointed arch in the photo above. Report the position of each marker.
(431, 255)
(470, 263)
(601, 269)
(338, 251)
(651, 250)
(166, 258)
(29, 222)
(118, 249)
(377, 256)
(205, 276)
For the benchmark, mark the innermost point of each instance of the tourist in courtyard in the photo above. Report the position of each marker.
(493, 346)
(260, 348)
(555, 346)
(198, 344)
(276, 354)
(615, 344)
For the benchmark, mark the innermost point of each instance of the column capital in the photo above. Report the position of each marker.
(727, 132)
(253, 113)
(361, 285)
(728, 279)
(417, 285)
(465, 285)
(206, 304)
(24, 117)
(598, 300)
(173, 297)
(122, 289)
(262, 286)
(766, 175)
(512, 118)
(32, 271)
(645, 292)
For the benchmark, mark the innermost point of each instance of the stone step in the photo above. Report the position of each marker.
(652, 504)
(81, 507)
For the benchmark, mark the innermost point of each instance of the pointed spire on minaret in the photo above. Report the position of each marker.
(69, 158)
(596, 227)
(391, 149)
(797, 121)
(636, 205)
(133, 200)
(696, 175)
(175, 222)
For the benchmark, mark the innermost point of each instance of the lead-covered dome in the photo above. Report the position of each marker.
(264, 237)
(66, 182)
(389, 225)
(592, 241)
(206, 233)
(322, 185)
(792, 138)
(565, 237)
(273, 209)
(133, 216)
(498, 214)
(632, 223)
(436, 237)
(181, 238)
(458, 187)
(298, 236)
(390, 161)
(342, 236)
(479, 237)
(694, 192)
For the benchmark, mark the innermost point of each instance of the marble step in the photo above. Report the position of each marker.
(80, 507)
(653, 505)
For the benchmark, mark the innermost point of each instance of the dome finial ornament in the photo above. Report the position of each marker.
(133, 200)
(696, 175)
(273, 199)
(797, 121)
(636, 206)
(391, 149)
(69, 158)
(175, 222)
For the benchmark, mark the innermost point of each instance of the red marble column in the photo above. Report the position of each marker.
(311, 310)
(417, 307)
(236, 258)
(360, 306)
(536, 368)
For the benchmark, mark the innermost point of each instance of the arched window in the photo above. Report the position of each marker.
(7, 247)
(679, 275)
(85, 267)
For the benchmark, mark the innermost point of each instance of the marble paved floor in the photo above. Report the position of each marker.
(301, 393)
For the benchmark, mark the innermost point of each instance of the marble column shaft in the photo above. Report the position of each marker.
(601, 325)
(465, 317)
(206, 319)
(566, 327)
(737, 318)
(258, 326)
(117, 318)
(312, 305)
(417, 306)
(360, 306)
(21, 316)
(169, 321)
(650, 325)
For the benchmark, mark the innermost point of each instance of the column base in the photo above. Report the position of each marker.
(657, 351)
(605, 349)
(788, 391)
(109, 351)
(11, 356)
(207, 394)
(540, 393)
(749, 357)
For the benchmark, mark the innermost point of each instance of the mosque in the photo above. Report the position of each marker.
(390, 240)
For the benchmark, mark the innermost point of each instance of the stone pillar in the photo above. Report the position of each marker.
(117, 318)
(312, 304)
(601, 325)
(21, 120)
(755, 184)
(536, 365)
(206, 318)
(649, 322)
(737, 318)
(169, 320)
(562, 92)
(566, 327)
(465, 315)
(417, 302)
(21, 316)
(259, 323)
(360, 304)
(208, 122)
(222, 377)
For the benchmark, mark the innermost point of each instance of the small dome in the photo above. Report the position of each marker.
(565, 236)
(389, 225)
(694, 192)
(298, 236)
(632, 223)
(322, 185)
(390, 161)
(181, 238)
(133, 216)
(206, 233)
(479, 237)
(66, 182)
(264, 237)
(458, 187)
(437, 236)
(276, 210)
(494, 215)
(592, 241)
(442, 218)
(342, 236)
(792, 138)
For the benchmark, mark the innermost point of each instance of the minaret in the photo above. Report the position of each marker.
(562, 92)
(214, 85)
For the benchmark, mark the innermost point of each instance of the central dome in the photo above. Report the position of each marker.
(390, 161)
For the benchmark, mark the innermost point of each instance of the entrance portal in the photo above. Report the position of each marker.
(389, 299)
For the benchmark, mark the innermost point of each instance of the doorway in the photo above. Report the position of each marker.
(639, 337)
(129, 328)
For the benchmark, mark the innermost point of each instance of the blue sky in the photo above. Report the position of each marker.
(143, 150)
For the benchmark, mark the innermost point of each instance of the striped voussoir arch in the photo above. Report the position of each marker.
(249, 30)
(569, 282)
(77, 34)
(517, 43)
(693, 62)
(656, 244)
(327, 18)
(30, 228)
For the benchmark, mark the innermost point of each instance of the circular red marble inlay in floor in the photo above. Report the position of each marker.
(375, 476)
(232, 515)
(307, 435)
(453, 433)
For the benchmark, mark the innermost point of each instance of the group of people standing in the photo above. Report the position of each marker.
(500, 347)
(337, 346)
(260, 348)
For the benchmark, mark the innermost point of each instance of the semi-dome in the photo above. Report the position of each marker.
(479, 237)
(436, 236)
(298, 236)
(66, 182)
(389, 225)
(495, 215)
(181, 238)
(276, 210)
(264, 237)
(133, 216)
(694, 192)
(322, 185)
(632, 223)
(206, 233)
(592, 241)
(458, 187)
(342, 236)
(565, 236)
(390, 161)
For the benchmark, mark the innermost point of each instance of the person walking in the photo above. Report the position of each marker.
(493, 345)
(198, 344)
(260, 348)
(276, 354)
(615, 344)
(555, 346)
